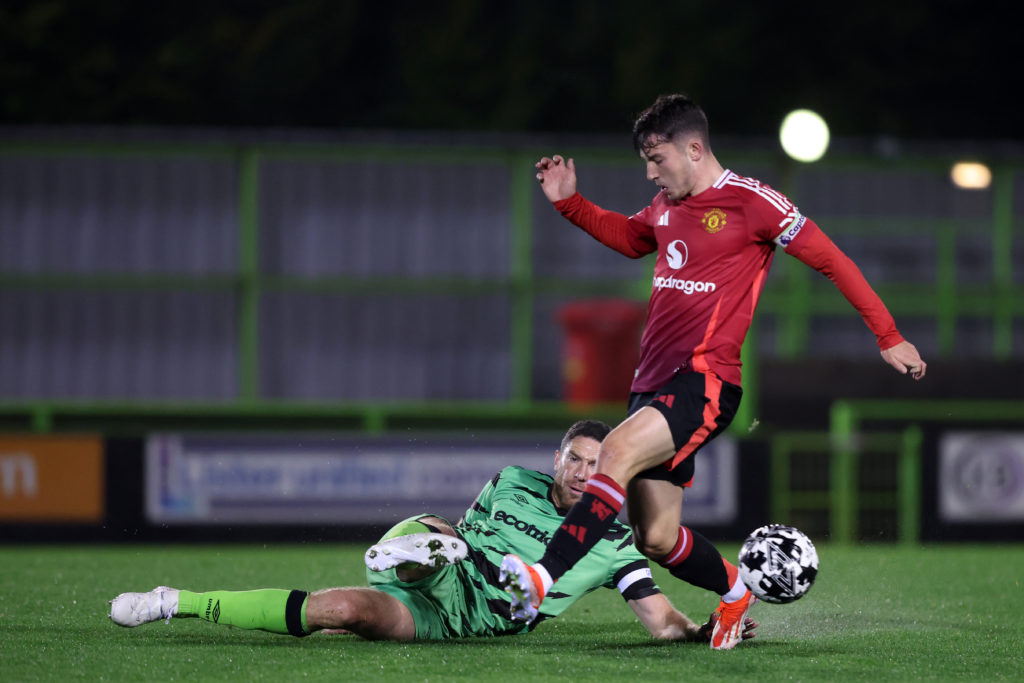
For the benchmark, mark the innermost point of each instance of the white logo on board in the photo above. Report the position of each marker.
(15, 469)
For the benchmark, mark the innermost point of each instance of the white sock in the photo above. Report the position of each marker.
(545, 577)
(738, 590)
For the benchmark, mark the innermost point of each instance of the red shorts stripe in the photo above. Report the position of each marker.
(700, 360)
(713, 391)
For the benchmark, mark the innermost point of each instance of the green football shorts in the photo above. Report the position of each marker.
(445, 604)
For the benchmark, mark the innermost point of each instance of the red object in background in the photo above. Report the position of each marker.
(601, 348)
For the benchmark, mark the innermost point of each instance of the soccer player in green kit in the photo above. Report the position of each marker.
(430, 579)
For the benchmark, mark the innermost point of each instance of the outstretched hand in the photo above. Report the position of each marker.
(905, 358)
(557, 177)
(704, 632)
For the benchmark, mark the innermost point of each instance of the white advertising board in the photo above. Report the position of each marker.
(318, 480)
(981, 477)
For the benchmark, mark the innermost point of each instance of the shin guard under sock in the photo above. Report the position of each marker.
(695, 560)
(270, 609)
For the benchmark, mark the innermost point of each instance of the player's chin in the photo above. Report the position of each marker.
(568, 500)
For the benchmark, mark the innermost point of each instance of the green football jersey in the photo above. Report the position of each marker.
(516, 514)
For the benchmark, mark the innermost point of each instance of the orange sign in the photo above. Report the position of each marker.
(51, 479)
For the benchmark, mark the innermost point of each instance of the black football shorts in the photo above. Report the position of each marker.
(698, 406)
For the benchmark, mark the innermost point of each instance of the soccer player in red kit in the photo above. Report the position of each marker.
(715, 234)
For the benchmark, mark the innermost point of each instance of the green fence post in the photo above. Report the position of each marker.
(521, 268)
(1002, 263)
(843, 472)
(41, 419)
(794, 320)
(780, 486)
(744, 422)
(910, 486)
(249, 270)
(946, 311)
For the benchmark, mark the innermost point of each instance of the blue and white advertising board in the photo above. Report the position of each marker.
(320, 480)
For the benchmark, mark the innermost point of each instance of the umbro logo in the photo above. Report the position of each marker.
(212, 611)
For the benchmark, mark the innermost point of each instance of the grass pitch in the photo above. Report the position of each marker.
(876, 612)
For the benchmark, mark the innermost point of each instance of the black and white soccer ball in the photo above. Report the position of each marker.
(778, 563)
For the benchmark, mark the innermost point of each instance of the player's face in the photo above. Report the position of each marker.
(573, 466)
(670, 168)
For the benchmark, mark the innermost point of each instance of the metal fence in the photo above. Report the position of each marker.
(255, 270)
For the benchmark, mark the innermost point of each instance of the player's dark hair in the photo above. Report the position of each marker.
(595, 429)
(669, 117)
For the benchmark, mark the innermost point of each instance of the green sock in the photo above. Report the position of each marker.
(268, 609)
(404, 528)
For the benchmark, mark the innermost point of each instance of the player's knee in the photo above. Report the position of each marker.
(617, 459)
(652, 543)
(438, 524)
(335, 608)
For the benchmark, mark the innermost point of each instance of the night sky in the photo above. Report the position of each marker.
(911, 69)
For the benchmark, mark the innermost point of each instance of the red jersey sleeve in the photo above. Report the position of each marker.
(813, 247)
(627, 236)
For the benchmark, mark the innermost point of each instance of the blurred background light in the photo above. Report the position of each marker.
(971, 175)
(804, 135)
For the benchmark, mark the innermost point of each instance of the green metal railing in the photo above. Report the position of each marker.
(844, 445)
(116, 418)
(792, 299)
(840, 497)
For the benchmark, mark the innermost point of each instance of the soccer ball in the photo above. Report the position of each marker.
(778, 563)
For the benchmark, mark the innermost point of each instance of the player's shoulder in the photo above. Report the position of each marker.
(520, 487)
(753, 192)
(518, 475)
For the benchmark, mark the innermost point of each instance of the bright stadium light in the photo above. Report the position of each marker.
(804, 135)
(971, 175)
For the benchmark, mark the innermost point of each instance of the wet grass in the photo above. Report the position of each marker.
(876, 612)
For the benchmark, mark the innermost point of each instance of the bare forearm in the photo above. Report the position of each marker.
(662, 620)
(677, 627)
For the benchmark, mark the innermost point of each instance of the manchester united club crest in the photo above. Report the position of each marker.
(713, 221)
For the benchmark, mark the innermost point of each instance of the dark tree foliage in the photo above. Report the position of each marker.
(907, 68)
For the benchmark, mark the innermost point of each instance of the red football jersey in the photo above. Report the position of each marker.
(714, 251)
